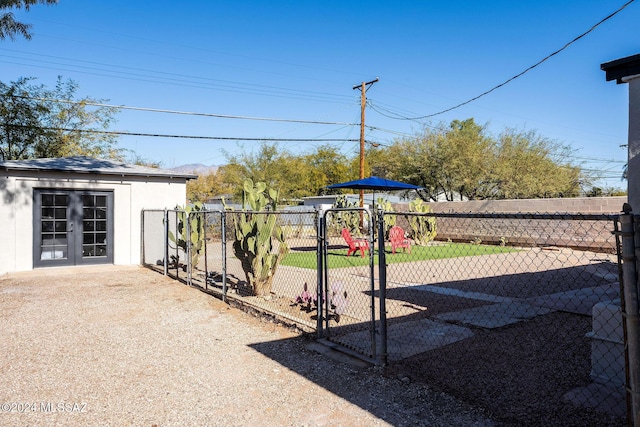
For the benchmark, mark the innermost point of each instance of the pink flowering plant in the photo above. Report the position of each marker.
(336, 297)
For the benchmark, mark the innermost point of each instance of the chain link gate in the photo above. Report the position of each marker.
(347, 286)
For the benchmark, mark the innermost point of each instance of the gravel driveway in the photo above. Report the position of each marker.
(127, 346)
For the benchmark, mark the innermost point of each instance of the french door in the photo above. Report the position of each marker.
(72, 227)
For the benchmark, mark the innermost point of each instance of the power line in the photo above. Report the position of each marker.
(393, 132)
(159, 135)
(168, 77)
(384, 111)
(522, 72)
(188, 113)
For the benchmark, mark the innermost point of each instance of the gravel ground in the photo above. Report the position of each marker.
(126, 346)
(518, 374)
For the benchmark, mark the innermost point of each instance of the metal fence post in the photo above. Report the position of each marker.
(382, 276)
(143, 258)
(187, 238)
(321, 233)
(323, 309)
(372, 282)
(223, 226)
(205, 220)
(166, 242)
(631, 312)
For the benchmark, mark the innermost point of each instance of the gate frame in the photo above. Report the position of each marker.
(323, 330)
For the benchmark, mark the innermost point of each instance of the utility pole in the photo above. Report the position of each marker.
(363, 102)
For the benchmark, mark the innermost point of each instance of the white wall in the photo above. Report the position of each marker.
(633, 170)
(152, 195)
(131, 195)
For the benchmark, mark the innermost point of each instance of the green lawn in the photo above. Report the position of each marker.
(338, 257)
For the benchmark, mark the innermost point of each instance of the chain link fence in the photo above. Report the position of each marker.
(517, 313)
(217, 269)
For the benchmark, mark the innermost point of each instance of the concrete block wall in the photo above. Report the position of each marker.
(583, 205)
(577, 234)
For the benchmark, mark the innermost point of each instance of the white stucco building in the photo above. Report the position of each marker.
(78, 210)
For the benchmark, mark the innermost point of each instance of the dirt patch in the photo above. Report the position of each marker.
(128, 346)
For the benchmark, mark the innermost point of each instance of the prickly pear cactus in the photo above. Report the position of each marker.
(389, 219)
(423, 228)
(193, 243)
(259, 242)
(344, 219)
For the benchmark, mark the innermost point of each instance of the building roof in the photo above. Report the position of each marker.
(621, 68)
(89, 165)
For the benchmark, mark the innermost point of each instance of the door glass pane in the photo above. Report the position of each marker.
(61, 213)
(61, 200)
(54, 253)
(94, 221)
(53, 226)
(47, 213)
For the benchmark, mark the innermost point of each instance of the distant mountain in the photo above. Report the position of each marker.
(195, 168)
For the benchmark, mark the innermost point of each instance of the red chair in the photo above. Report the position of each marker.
(397, 239)
(354, 244)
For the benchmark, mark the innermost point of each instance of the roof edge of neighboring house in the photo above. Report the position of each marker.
(621, 68)
(90, 165)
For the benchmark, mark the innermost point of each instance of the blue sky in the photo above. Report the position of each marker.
(300, 60)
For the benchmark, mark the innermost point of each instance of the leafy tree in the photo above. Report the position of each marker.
(295, 175)
(461, 160)
(9, 27)
(260, 166)
(328, 166)
(413, 160)
(136, 159)
(37, 122)
(466, 160)
(299, 179)
(22, 133)
(266, 165)
(531, 166)
(207, 186)
(595, 192)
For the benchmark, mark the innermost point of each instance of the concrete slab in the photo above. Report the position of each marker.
(460, 293)
(408, 338)
(495, 315)
(411, 338)
(579, 301)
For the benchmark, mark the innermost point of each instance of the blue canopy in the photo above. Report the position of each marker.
(377, 184)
